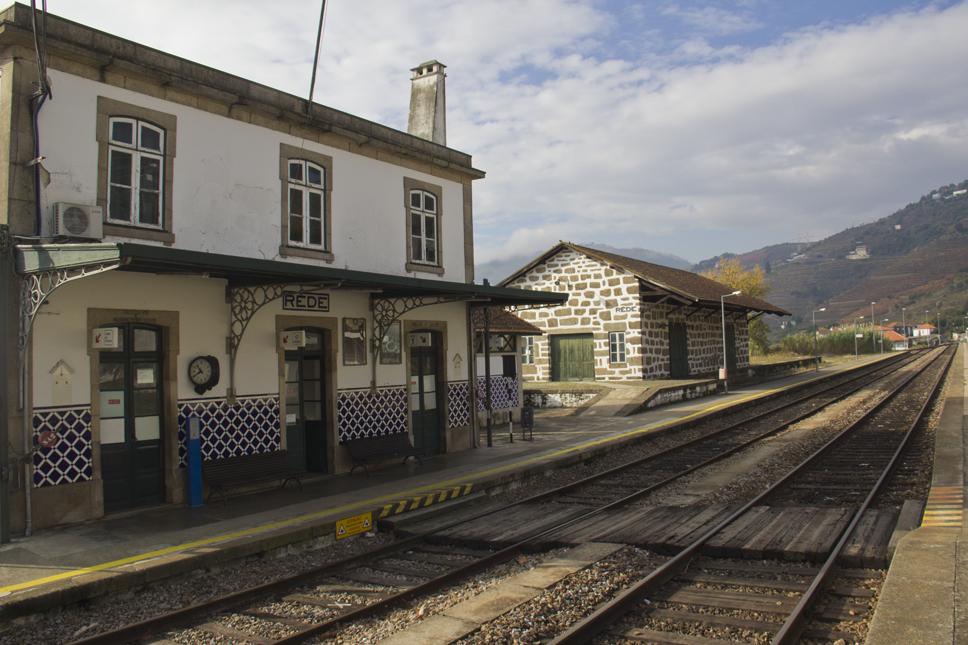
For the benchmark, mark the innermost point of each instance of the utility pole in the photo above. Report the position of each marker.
(815, 348)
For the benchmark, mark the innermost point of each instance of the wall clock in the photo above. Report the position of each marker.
(203, 373)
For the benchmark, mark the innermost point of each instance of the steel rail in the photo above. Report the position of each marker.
(326, 627)
(181, 617)
(797, 620)
(586, 629)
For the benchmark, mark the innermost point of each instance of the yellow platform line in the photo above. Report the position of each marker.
(384, 499)
(945, 507)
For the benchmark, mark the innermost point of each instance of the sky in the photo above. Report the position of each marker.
(691, 128)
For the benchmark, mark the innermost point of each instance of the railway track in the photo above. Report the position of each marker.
(316, 603)
(698, 599)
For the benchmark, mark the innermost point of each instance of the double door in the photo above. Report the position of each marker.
(131, 398)
(424, 390)
(572, 357)
(306, 404)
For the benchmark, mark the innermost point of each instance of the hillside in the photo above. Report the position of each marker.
(915, 258)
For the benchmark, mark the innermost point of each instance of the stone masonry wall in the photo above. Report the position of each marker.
(601, 300)
(705, 340)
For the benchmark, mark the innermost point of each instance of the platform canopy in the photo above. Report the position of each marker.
(241, 272)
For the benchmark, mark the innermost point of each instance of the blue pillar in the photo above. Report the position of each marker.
(195, 498)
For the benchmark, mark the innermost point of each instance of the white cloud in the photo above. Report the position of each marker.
(712, 20)
(704, 148)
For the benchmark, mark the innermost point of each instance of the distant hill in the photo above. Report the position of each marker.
(915, 258)
(497, 270)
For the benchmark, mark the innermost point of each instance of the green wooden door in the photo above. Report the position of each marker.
(572, 357)
(678, 350)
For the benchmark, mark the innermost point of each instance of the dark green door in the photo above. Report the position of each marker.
(678, 350)
(425, 403)
(730, 348)
(572, 357)
(131, 391)
(306, 404)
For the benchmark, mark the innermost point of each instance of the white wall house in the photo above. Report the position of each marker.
(195, 244)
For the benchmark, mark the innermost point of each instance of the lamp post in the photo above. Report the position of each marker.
(815, 343)
(857, 322)
(883, 329)
(722, 305)
(904, 321)
(873, 333)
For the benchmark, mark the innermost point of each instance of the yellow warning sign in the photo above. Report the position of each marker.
(350, 526)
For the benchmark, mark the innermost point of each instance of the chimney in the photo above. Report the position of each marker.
(428, 103)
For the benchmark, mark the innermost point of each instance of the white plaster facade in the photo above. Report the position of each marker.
(227, 144)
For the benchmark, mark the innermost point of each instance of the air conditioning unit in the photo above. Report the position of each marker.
(77, 220)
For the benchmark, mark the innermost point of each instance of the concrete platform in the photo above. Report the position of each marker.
(58, 566)
(925, 595)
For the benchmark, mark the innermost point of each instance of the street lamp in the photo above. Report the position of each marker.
(722, 305)
(883, 329)
(815, 350)
(857, 322)
(904, 322)
(873, 333)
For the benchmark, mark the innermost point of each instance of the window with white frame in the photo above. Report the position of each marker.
(616, 347)
(136, 162)
(527, 350)
(423, 228)
(307, 204)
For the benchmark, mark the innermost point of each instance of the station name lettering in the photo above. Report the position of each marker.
(295, 301)
(626, 309)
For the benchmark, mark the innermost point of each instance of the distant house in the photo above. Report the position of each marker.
(626, 319)
(859, 252)
(894, 341)
(924, 330)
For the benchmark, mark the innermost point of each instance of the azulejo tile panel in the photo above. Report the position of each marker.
(362, 413)
(62, 446)
(247, 427)
(458, 404)
(504, 393)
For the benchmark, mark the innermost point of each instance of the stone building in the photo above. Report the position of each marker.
(626, 319)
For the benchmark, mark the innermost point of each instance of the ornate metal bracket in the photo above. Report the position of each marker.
(245, 303)
(387, 311)
(35, 288)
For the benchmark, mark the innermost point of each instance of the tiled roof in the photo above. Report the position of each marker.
(925, 326)
(691, 286)
(894, 337)
(504, 322)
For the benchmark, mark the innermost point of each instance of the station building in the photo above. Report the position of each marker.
(626, 319)
(185, 242)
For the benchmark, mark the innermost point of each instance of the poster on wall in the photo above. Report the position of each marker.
(390, 346)
(354, 341)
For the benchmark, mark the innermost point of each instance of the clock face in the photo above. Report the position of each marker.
(200, 371)
(203, 373)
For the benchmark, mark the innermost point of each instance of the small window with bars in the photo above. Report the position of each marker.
(616, 347)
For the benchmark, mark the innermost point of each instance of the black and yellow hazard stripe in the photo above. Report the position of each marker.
(424, 500)
(945, 507)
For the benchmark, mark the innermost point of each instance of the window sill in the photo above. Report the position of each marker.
(155, 235)
(425, 268)
(300, 252)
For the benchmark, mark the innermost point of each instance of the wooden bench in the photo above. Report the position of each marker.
(230, 472)
(369, 449)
